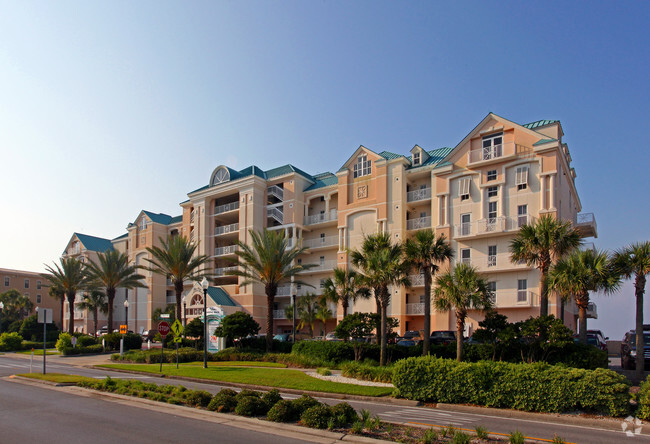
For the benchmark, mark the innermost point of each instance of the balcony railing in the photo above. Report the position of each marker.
(275, 213)
(417, 280)
(225, 229)
(416, 195)
(279, 314)
(586, 224)
(487, 153)
(222, 251)
(324, 266)
(419, 223)
(283, 290)
(276, 192)
(227, 207)
(415, 309)
(320, 242)
(491, 225)
(171, 299)
(322, 217)
(224, 271)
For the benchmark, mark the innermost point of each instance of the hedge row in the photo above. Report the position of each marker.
(643, 400)
(337, 352)
(96, 348)
(367, 372)
(531, 387)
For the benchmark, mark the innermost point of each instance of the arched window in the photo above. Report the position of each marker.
(221, 175)
(143, 223)
(197, 299)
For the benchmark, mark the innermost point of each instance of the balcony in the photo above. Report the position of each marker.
(283, 290)
(496, 152)
(223, 251)
(419, 223)
(225, 229)
(279, 314)
(415, 309)
(276, 192)
(321, 242)
(417, 280)
(321, 267)
(321, 218)
(226, 208)
(418, 195)
(491, 226)
(498, 262)
(219, 272)
(586, 225)
(276, 214)
(515, 298)
(592, 311)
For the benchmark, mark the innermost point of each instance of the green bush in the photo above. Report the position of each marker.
(197, 398)
(283, 411)
(643, 400)
(270, 398)
(10, 341)
(338, 352)
(251, 406)
(36, 345)
(91, 349)
(224, 401)
(532, 387)
(246, 393)
(367, 372)
(317, 416)
(303, 403)
(65, 341)
(86, 340)
(344, 414)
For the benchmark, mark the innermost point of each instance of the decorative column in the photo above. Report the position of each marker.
(552, 192)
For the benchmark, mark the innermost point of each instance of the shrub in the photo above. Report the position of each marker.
(516, 437)
(461, 438)
(643, 400)
(283, 411)
(250, 406)
(223, 402)
(85, 341)
(324, 371)
(271, 398)
(10, 341)
(344, 414)
(303, 403)
(246, 394)
(532, 387)
(65, 341)
(198, 398)
(38, 345)
(131, 341)
(97, 348)
(367, 372)
(328, 350)
(317, 416)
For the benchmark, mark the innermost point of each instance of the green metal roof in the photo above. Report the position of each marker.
(176, 219)
(539, 123)
(120, 237)
(323, 180)
(159, 218)
(220, 297)
(543, 141)
(93, 243)
(390, 156)
(435, 156)
(286, 169)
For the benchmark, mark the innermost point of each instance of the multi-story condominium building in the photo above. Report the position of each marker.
(34, 287)
(478, 193)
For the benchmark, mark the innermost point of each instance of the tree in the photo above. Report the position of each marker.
(307, 306)
(634, 260)
(461, 289)
(323, 313)
(59, 294)
(70, 277)
(491, 330)
(237, 325)
(346, 286)
(357, 327)
(382, 265)
(112, 272)
(94, 303)
(578, 274)
(288, 312)
(16, 307)
(541, 244)
(426, 252)
(176, 260)
(268, 261)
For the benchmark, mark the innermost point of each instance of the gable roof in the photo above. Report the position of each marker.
(254, 170)
(539, 123)
(220, 297)
(390, 156)
(323, 180)
(93, 243)
(435, 157)
(120, 237)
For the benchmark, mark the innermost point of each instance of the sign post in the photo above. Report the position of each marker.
(44, 317)
(163, 329)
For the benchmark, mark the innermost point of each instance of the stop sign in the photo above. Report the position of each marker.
(163, 328)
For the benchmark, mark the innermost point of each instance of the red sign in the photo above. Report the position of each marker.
(163, 328)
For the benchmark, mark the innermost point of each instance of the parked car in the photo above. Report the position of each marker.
(602, 338)
(102, 331)
(592, 339)
(406, 343)
(628, 350)
(283, 337)
(443, 337)
(331, 336)
(148, 335)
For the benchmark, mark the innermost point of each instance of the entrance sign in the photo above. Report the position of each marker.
(215, 316)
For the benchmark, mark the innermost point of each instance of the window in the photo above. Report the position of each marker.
(492, 191)
(522, 290)
(463, 188)
(492, 256)
(491, 175)
(465, 257)
(521, 178)
(26, 283)
(492, 288)
(38, 298)
(322, 238)
(492, 146)
(492, 213)
(38, 285)
(363, 167)
(522, 215)
(322, 260)
(421, 299)
(423, 214)
(322, 283)
(6, 281)
(416, 158)
(143, 223)
(299, 261)
(322, 198)
(465, 224)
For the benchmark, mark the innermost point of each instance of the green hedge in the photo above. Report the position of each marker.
(36, 345)
(10, 341)
(338, 352)
(643, 400)
(68, 351)
(367, 372)
(132, 341)
(530, 387)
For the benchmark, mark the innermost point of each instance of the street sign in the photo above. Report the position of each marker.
(165, 316)
(44, 315)
(73, 340)
(177, 328)
(122, 329)
(163, 328)
(178, 339)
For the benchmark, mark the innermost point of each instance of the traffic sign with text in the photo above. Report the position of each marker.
(163, 328)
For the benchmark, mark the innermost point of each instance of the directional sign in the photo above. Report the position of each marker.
(122, 329)
(178, 339)
(165, 316)
(163, 328)
(177, 328)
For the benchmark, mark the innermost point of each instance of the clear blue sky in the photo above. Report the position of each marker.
(107, 108)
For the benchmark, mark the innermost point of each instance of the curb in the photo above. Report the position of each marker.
(385, 400)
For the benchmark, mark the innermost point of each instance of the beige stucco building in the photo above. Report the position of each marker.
(33, 286)
(478, 193)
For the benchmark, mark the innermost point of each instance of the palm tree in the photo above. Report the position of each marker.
(323, 313)
(268, 261)
(425, 252)
(461, 289)
(70, 277)
(112, 272)
(541, 244)
(59, 294)
(634, 260)
(176, 260)
(346, 286)
(307, 307)
(382, 264)
(578, 274)
(94, 302)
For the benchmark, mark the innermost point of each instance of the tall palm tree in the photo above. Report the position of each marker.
(177, 261)
(382, 264)
(578, 274)
(323, 314)
(57, 293)
(346, 286)
(541, 244)
(268, 261)
(634, 260)
(71, 277)
(426, 252)
(461, 289)
(307, 307)
(112, 271)
(94, 303)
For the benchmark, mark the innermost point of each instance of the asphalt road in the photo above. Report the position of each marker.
(534, 428)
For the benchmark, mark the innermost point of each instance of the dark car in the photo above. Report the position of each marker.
(592, 339)
(148, 335)
(406, 343)
(602, 338)
(628, 350)
(284, 337)
(443, 337)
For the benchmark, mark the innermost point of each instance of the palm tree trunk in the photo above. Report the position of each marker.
(384, 339)
(178, 286)
(460, 326)
(95, 319)
(110, 295)
(582, 317)
(71, 312)
(562, 309)
(62, 303)
(269, 322)
(543, 287)
(639, 289)
(426, 343)
(345, 304)
(377, 301)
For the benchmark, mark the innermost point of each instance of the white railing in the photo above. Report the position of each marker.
(417, 280)
(421, 194)
(586, 218)
(171, 299)
(223, 271)
(279, 314)
(221, 251)
(491, 225)
(419, 223)
(325, 266)
(492, 260)
(276, 191)
(465, 261)
(520, 221)
(327, 241)
(227, 207)
(415, 309)
(488, 153)
(523, 296)
(225, 229)
(283, 290)
(192, 217)
(322, 217)
(276, 214)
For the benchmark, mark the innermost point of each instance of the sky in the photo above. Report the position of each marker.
(108, 108)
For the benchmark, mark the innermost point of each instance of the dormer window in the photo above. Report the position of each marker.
(143, 223)
(363, 167)
(416, 158)
(221, 175)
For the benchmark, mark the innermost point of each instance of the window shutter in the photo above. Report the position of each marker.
(463, 188)
(521, 177)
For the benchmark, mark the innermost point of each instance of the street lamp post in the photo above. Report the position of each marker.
(293, 318)
(126, 313)
(204, 284)
(184, 311)
(2, 306)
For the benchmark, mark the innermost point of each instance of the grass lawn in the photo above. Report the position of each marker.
(280, 378)
(50, 351)
(59, 378)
